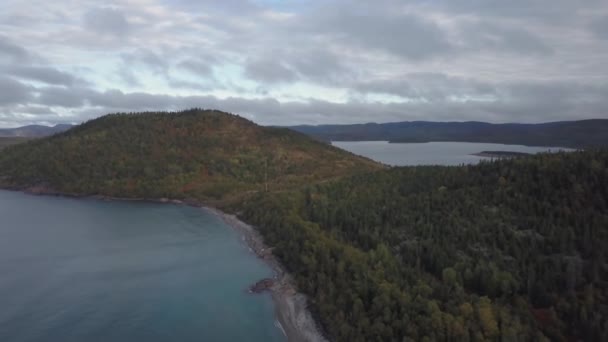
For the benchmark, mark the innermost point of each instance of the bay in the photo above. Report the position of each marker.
(431, 153)
(91, 270)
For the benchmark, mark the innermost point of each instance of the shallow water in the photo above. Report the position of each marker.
(432, 153)
(88, 270)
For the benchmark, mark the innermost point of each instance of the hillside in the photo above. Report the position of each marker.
(574, 134)
(195, 154)
(33, 131)
(5, 141)
(510, 250)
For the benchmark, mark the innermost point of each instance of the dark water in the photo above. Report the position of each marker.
(86, 270)
(432, 153)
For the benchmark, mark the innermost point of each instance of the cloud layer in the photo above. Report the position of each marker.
(293, 62)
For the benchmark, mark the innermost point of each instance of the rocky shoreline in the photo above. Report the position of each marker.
(291, 307)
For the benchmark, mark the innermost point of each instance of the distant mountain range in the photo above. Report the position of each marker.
(34, 131)
(575, 134)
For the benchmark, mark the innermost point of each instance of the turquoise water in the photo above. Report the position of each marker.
(87, 270)
(432, 153)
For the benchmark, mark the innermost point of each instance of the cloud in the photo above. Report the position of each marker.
(386, 29)
(198, 67)
(600, 27)
(488, 36)
(61, 97)
(286, 62)
(106, 21)
(269, 70)
(42, 74)
(11, 51)
(13, 92)
(148, 58)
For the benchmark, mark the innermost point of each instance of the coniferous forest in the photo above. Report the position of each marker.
(508, 250)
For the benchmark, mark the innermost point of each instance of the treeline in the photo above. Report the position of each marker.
(575, 134)
(511, 250)
(197, 154)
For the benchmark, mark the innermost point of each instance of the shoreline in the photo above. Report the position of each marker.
(290, 306)
(291, 312)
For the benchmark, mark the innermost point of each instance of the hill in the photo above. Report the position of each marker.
(574, 134)
(34, 131)
(195, 154)
(509, 250)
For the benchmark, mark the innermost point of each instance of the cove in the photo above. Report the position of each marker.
(91, 270)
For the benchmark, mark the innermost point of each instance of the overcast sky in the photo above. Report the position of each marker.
(305, 61)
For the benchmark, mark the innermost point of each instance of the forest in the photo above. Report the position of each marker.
(509, 250)
(575, 134)
(506, 250)
(202, 155)
(7, 141)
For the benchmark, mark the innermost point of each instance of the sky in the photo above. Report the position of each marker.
(287, 62)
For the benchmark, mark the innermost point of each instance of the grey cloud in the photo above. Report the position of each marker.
(200, 68)
(184, 84)
(13, 91)
(512, 102)
(148, 58)
(224, 6)
(428, 87)
(106, 21)
(269, 70)
(134, 101)
(546, 10)
(12, 51)
(405, 35)
(600, 27)
(43, 74)
(62, 97)
(320, 65)
(486, 36)
(305, 64)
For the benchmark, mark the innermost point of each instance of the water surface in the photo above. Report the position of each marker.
(432, 153)
(87, 270)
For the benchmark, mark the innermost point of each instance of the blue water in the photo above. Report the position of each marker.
(431, 153)
(87, 270)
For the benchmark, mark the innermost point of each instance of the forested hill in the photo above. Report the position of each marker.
(510, 250)
(575, 134)
(197, 154)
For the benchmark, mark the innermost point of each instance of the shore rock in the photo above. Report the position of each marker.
(262, 285)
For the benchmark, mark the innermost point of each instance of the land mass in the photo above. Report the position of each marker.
(501, 154)
(511, 249)
(5, 141)
(33, 131)
(573, 134)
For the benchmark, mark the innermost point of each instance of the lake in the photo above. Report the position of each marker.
(90, 270)
(432, 153)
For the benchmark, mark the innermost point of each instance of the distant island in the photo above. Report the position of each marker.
(572, 134)
(501, 154)
(512, 249)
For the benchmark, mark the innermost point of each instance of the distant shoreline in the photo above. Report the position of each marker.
(291, 311)
(501, 154)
